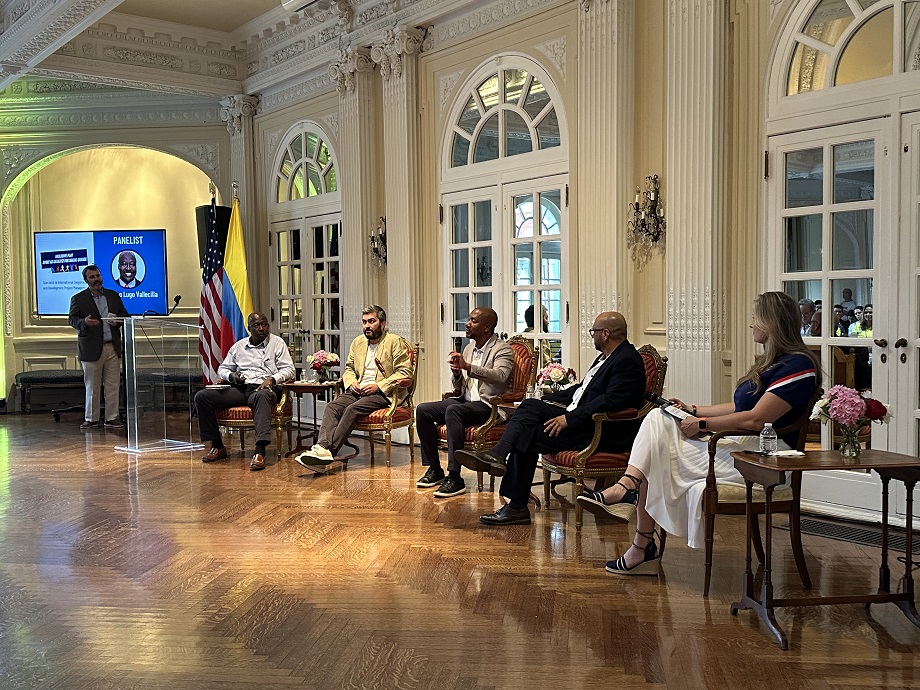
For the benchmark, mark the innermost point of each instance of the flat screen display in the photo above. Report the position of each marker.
(132, 262)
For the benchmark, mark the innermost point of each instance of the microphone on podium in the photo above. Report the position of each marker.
(176, 300)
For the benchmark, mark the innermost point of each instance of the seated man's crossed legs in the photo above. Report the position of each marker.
(456, 414)
(339, 420)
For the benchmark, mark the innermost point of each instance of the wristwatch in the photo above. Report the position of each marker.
(702, 423)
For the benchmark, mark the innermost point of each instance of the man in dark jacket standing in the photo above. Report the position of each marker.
(97, 315)
(562, 421)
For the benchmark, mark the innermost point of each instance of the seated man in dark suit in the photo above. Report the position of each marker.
(562, 420)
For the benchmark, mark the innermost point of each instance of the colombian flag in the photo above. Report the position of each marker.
(236, 300)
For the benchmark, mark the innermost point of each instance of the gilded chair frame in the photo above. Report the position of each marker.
(281, 420)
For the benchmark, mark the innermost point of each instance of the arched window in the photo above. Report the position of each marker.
(306, 169)
(850, 41)
(508, 113)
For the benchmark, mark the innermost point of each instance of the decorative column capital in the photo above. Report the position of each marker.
(351, 61)
(234, 108)
(344, 13)
(396, 43)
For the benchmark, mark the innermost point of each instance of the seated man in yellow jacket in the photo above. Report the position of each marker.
(377, 361)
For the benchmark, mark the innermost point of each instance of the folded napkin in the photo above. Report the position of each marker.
(788, 453)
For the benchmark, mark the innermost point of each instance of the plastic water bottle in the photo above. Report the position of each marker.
(529, 394)
(768, 439)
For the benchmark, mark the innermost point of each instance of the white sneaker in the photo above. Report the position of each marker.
(317, 451)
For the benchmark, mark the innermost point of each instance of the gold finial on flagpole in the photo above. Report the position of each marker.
(236, 189)
(212, 188)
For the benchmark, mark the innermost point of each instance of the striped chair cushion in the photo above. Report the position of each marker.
(243, 413)
(596, 462)
(493, 434)
(401, 414)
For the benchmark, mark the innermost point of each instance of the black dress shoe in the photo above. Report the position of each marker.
(506, 515)
(482, 461)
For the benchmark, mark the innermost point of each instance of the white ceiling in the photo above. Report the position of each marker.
(219, 15)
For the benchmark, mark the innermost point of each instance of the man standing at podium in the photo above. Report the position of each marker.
(97, 316)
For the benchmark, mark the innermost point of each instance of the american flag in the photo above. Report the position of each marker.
(211, 315)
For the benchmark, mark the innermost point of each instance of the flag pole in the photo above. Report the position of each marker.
(236, 189)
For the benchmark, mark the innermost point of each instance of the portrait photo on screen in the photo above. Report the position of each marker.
(128, 269)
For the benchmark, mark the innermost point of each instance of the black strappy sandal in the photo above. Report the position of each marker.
(624, 509)
(649, 565)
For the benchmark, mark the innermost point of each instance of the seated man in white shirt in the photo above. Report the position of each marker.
(377, 362)
(482, 372)
(254, 367)
(563, 420)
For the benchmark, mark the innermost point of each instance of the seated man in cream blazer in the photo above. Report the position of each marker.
(377, 361)
(480, 374)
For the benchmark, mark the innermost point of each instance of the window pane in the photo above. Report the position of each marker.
(552, 302)
(284, 306)
(284, 280)
(548, 131)
(854, 171)
(319, 319)
(488, 92)
(286, 165)
(852, 239)
(828, 21)
(296, 315)
(332, 234)
(315, 185)
(517, 134)
(460, 258)
(282, 240)
(331, 183)
(282, 190)
(487, 143)
(807, 71)
(523, 312)
(551, 262)
(334, 313)
(483, 299)
(470, 116)
(483, 266)
(523, 215)
(323, 156)
(461, 308)
(549, 212)
(804, 178)
(523, 264)
(295, 242)
(319, 278)
(297, 147)
(319, 242)
(911, 36)
(849, 293)
(311, 145)
(482, 216)
(868, 55)
(460, 216)
(333, 277)
(514, 85)
(461, 151)
(811, 311)
(297, 184)
(295, 279)
(553, 349)
(803, 243)
(536, 100)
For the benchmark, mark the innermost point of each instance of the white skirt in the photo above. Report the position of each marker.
(676, 468)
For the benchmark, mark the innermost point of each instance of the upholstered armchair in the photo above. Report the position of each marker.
(487, 434)
(240, 419)
(589, 463)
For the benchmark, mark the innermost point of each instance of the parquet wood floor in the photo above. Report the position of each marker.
(162, 572)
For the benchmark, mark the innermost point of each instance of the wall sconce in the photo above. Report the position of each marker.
(646, 221)
(378, 241)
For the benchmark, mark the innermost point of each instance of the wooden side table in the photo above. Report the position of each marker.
(298, 389)
(770, 471)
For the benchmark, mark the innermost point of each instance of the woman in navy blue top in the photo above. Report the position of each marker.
(668, 464)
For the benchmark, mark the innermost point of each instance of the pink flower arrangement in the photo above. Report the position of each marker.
(556, 376)
(321, 359)
(851, 411)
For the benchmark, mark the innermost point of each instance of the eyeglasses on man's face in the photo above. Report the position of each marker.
(592, 331)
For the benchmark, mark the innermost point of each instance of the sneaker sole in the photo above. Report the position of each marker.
(619, 511)
(319, 461)
(438, 494)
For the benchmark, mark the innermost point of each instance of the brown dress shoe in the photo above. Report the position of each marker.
(215, 454)
(257, 463)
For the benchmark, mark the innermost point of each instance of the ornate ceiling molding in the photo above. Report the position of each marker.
(396, 43)
(206, 155)
(554, 50)
(297, 92)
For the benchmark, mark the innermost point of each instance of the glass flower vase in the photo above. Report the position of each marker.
(849, 446)
(322, 374)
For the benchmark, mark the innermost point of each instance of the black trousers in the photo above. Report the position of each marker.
(524, 432)
(261, 400)
(457, 414)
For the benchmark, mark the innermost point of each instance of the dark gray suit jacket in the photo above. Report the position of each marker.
(89, 338)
